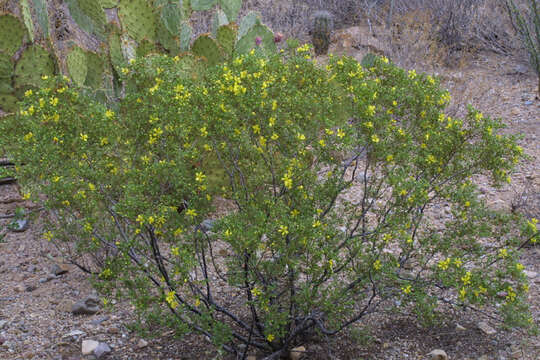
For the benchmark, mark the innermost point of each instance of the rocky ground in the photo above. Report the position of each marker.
(48, 309)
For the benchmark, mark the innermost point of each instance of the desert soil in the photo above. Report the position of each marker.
(35, 311)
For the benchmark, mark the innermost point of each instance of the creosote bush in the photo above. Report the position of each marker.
(335, 174)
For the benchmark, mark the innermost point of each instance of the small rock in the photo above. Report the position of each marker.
(142, 344)
(3, 324)
(460, 328)
(207, 225)
(86, 306)
(528, 102)
(30, 288)
(59, 269)
(515, 111)
(64, 305)
(486, 329)
(20, 288)
(530, 274)
(251, 357)
(297, 352)
(88, 346)
(438, 354)
(101, 350)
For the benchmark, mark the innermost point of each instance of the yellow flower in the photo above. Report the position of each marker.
(48, 235)
(375, 138)
(294, 212)
(178, 231)
(371, 110)
(274, 136)
(503, 253)
(199, 177)
(407, 289)
(270, 337)
(316, 224)
(340, 133)
(520, 266)
(301, 137)
(91, 186)
(83, 137)
(466, 278)
(256, 292)
(256, 129)
(322, 142)
(28, 136)
(287, 181)
(274, 105)
(171, 300)
(109, 114)
(191, 213)
(462, 293)
(283, 230)
(175, 251)
(377, 264)
(204, 132)
(28, 93)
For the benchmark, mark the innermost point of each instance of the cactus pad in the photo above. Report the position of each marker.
(226, 38)
(76, 64)
(8, 103)
(34, 63)
(6, 73)
(247, 22)
(231, 8)
(115, 51)
(202, 4)
(95, 72)
(12, 33)
(27, 17)
(108, 4)
(247, 42)
(89, 15)
(321, 32)
(42, 16)
(185, 36)
(145, 47)
(138, 18)
(171, 16)
(207, 47)
(219, 19)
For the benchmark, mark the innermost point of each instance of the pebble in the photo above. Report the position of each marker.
(19, 225)
(86, 306)
(142, 344)
(438, 354)
(74, 334)
(99, 320)
(59, 269)
(3, 324)
(486, 329)
(460, 328)
(101, 350)
(88, 346)
(297, 353)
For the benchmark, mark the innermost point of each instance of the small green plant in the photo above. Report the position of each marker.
(332, 175)
(321, 32)
(527, 25)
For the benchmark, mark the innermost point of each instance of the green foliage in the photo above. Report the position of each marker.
(185, 36)
(321, 32)
(42, 16)
(207, 48)
(115, 51)
(89, 15)
(107, 4)
(77, 66)
(8, 102)
(332, 176)
(34, 64)
(95, 70)
(369, 60)
(12, 33)
(138, 18)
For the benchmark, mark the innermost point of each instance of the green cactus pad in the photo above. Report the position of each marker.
(207, 47)
(27, 17)
(226, 38)
(108, 4)
(231, 8)
(34, 63)
(247, 42)
(12, 33)
(199, 5)
(20, 91)
(77, 66)
(247, 22)
(171, 16)
(89, 15)
(138, 18)
(129, 47)
(8, 103)
(219, 19)
(115, 51)
(166, 39)
(6, 74)
(42, 16)
(185, 36)
(95, 72)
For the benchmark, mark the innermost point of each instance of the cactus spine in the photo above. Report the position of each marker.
(321, 32)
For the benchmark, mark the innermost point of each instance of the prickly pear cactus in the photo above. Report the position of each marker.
(231, 8)
(89, 15)
(77, 65)
(27, 17)
(108, 4)
(95, 70)
(42, 15)
(8, 103)
(6, 74)
(138, 17)
(219, 19)
(226, 38)
(321, 32)
(12, 33)
(368, 60)
(34, 64)
(199, 5)
(207, 47)
(258, 32)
